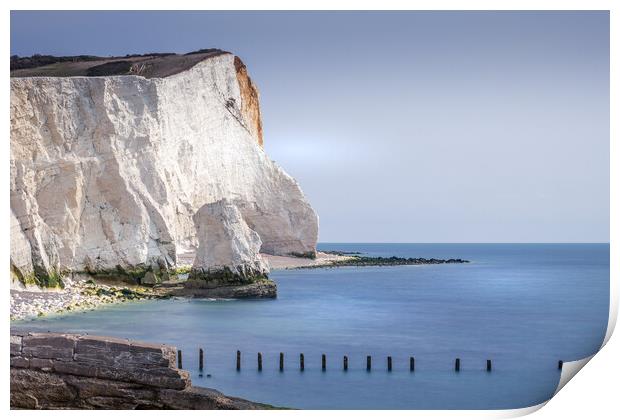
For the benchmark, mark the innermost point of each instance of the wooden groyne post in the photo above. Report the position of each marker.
(180, 359)
(345, 362)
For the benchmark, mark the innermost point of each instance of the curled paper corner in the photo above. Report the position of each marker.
(570, 369)
(614, 299)
(519, 412)
(473, 414)
(613, 315)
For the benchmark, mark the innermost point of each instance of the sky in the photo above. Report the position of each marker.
(405, 126)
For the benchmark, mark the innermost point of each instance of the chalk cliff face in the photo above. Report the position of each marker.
(227, 246)
(107, 173)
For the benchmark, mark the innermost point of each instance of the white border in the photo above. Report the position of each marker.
(570, 407)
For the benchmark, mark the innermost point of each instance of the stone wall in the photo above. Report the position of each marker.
(56, 370)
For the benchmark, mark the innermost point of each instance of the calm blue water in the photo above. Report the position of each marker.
(523, 306)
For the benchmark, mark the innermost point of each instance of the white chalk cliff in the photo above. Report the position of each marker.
(109, 173)
(227, 244)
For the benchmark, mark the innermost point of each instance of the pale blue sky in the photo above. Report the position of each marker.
(405, 126)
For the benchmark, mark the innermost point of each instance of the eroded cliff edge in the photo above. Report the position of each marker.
(108, 174)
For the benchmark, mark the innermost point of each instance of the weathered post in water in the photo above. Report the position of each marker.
(411, 364)
(201, 356)
(457, 364)
(238, 360)
(180, 359)
(323, 362)
(488, 365)
(368, 363)
(281, 362)
(389, 361)
(301, 361)
(345, 363)
(260, 361)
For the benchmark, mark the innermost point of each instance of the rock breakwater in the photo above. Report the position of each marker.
(357, 260)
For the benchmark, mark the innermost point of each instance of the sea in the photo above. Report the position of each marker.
(522, 306)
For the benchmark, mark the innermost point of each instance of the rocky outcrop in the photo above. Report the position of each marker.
(107, 173)
(228, 263)
(229, 249)
(256, 288)
(52, 370)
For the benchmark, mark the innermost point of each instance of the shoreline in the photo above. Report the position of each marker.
(333, 259)
(84, 295)
(323, 259)
(76, 296)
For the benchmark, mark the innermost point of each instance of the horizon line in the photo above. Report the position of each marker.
(464, 243)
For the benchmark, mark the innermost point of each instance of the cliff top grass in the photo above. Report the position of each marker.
(146, 65)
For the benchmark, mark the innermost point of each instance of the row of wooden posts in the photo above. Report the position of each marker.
(345, 362)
